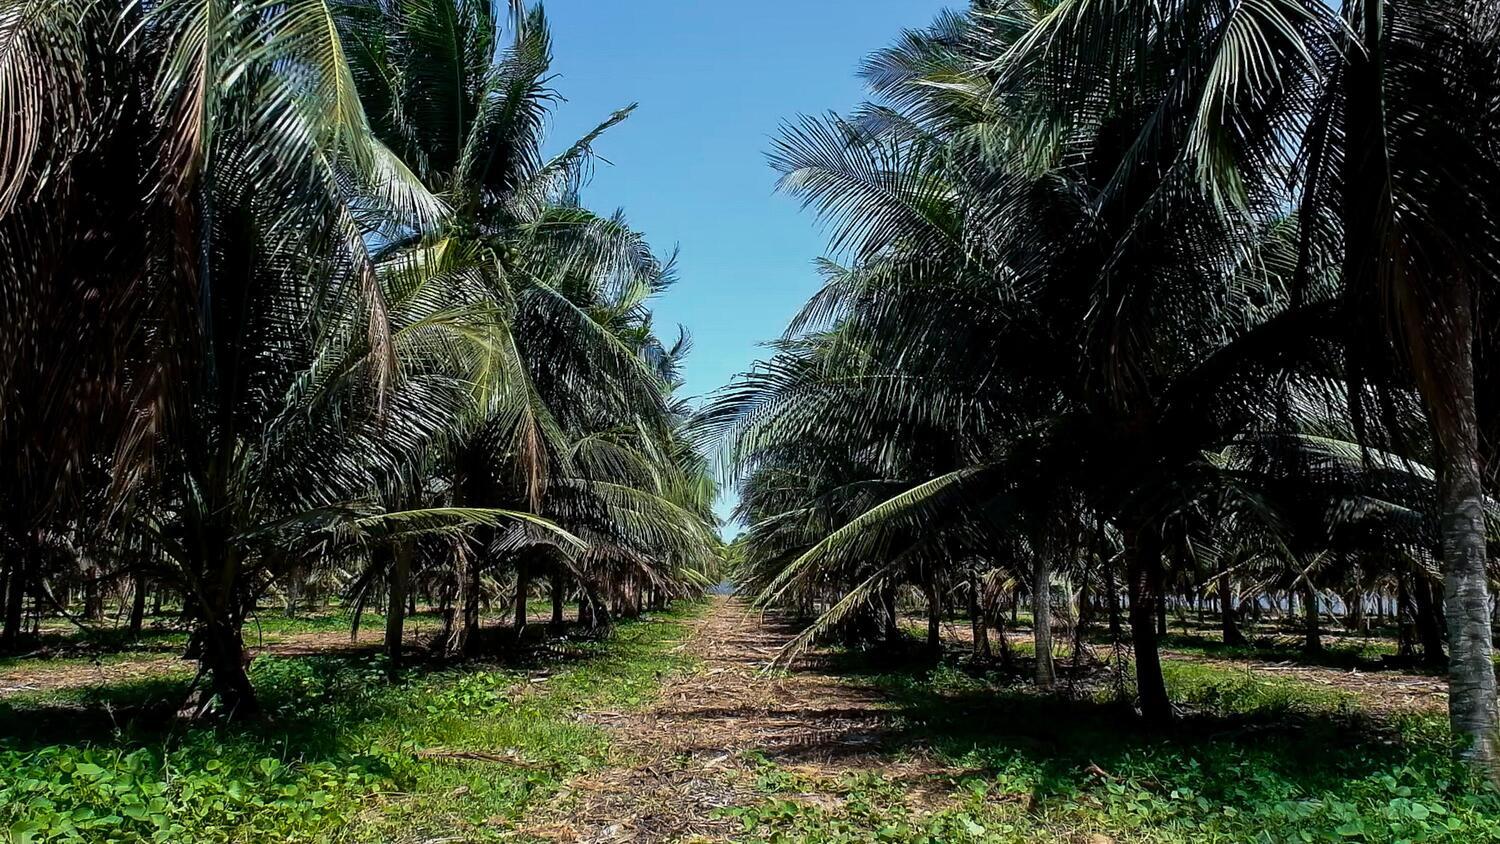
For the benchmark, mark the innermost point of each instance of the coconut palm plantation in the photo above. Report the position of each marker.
(1123, 470)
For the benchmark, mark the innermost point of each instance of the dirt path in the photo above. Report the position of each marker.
(696, 750)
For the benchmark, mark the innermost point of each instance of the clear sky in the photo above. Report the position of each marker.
(714, 80)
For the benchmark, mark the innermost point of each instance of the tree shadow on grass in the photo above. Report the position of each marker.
(85, 642)
(315, 704)
(1369, 654)
(1236, 742)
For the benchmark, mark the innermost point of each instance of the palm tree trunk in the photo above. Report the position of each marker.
(1041, 624)
(1232, 634)
(1143, 568)
(888, 609)
(137, 604)
(1406, 632)
(523, 585)
(934, 617)
(15, 596)
(221, 634)
(592, 611)
(1473, 712)
(1112, 595)
(226, 659)
(1429, 621)
(93, 594)
(559, 596)
(471, 588)
(1312, 641)
(1085, 608)
(977, 623)
(395, 614)
(293, 590)
(1007, 659)
(1440, 333)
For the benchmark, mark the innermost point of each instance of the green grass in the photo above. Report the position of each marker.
(62, 645)
(1252, 760)
(1343, 653)
(343, 755)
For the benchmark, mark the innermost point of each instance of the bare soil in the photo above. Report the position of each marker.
(56, 674)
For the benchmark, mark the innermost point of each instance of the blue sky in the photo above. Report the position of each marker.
(714, 80)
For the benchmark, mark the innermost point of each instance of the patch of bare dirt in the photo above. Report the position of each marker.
(48, 676)
(695, 751)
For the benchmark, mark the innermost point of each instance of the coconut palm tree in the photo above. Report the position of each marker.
(573, 417)
(1079, 335)
(314, 324)
(239, 128)
(1381, 115)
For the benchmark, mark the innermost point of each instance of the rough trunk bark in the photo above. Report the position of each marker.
(1312, 639)
(977, 625)
(891, 621)
(1007, 659)
(592, 612)
(1472, 704)
(1406, 630)
(523, 585)
(1113, 595)
(220, 623)
(1143, 568)
(934, 618)
(395, 614)
(1429, 623)
(559, 596)
(471, 594)
(227, 661)
(293, 591)
(1085, 608)
(137, 604)
(1041, 620)
(15, 597)
(93, 594)
(1227, 620)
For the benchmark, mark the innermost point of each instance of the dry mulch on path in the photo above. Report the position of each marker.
(694, 752)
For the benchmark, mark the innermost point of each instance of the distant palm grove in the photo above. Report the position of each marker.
(1142, 307)
(1136, 316)
(292, 296)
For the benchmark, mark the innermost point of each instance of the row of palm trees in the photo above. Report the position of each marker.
(1165, 299)
(295, 287)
